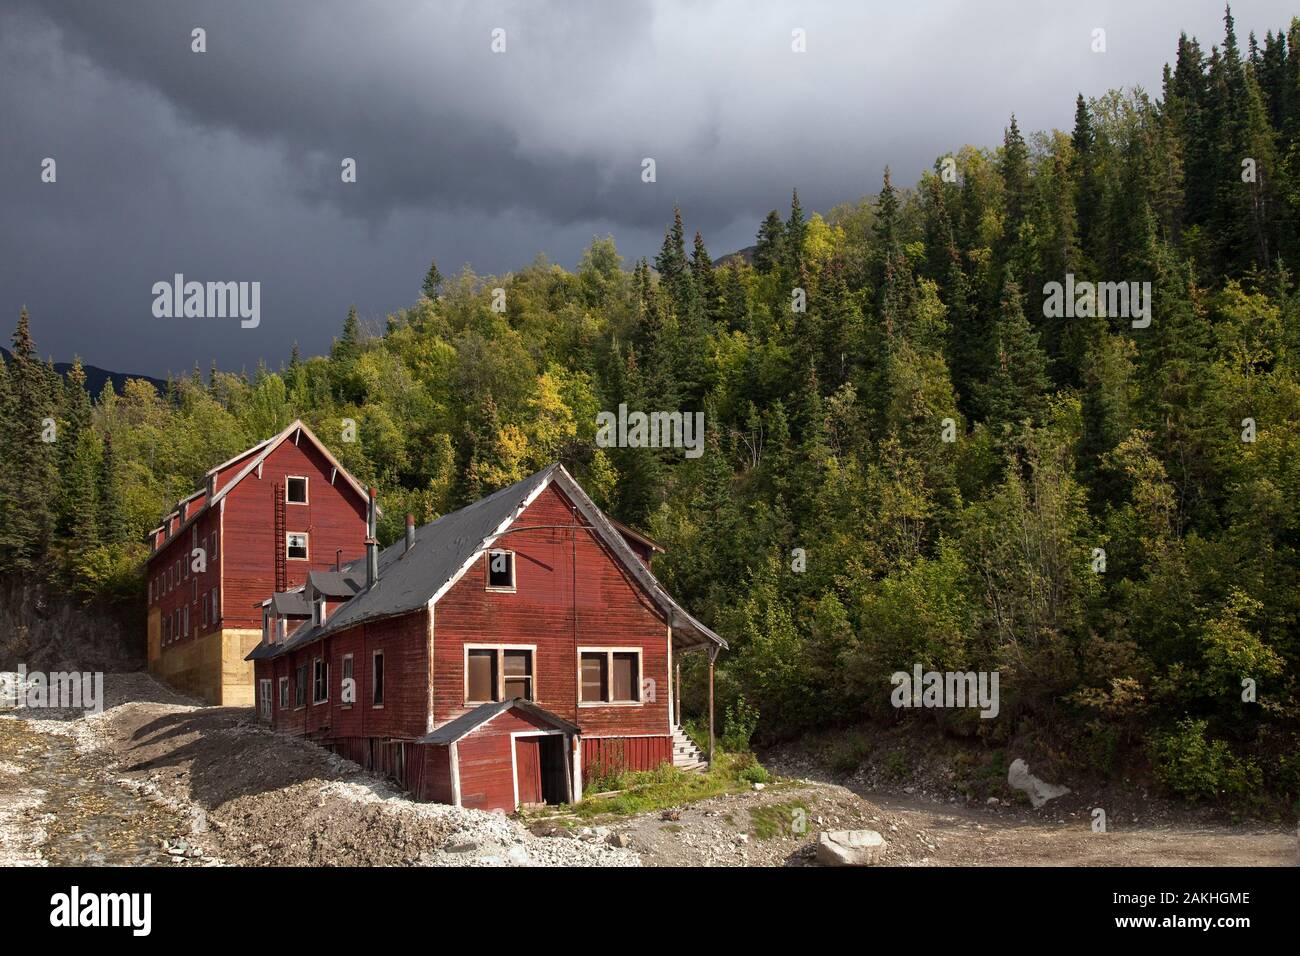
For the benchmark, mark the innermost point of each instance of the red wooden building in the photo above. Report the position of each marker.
(490, 658)
(260, 523)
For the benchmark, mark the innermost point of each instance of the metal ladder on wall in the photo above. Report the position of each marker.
(281, 568)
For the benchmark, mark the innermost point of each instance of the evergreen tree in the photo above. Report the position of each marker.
(112, 516)
(1017, 384)
(432, 282)
(25, 508)
(769, 252)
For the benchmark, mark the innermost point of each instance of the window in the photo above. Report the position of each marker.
(166, 629)
(610, 676)
(216, 604)
(498, 673)
(320, 692)
(347, 686)
(213, 550)
(295, 490)
(264, 697)
(501, 570)
(206, 604)
(284, 693)
(266, 625)
(377, 679)
(176, 623)
(300, 686)
(185, 620)
(194, 590)
(295, 544)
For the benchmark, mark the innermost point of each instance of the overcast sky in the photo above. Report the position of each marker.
(225, 165)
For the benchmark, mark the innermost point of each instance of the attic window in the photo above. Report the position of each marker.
(501, 570)
(295, 490)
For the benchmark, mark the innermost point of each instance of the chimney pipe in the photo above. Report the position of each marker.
(372, 543)
(338, 559)
(410, 531)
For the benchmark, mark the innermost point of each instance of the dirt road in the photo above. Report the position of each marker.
(157, 779)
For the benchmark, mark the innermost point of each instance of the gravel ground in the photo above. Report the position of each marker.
(157, 778)
(242, 795)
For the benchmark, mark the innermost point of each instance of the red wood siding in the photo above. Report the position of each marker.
(611, 612)
(606, 754)
(404, 714)
(486, 771)
(188, 588)
(334, 517)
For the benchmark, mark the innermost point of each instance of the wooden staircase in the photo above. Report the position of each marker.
(686, 756)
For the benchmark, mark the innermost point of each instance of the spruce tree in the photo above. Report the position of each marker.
(112, 514)
(432, 282)
(26, 509)
(770, 248)
(1016, 387)
(1014, 167)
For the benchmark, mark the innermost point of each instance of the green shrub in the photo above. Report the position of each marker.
(755, 773)
(1192, 765)
(739, 724)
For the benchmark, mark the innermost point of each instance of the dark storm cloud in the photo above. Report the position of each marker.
(225, 165)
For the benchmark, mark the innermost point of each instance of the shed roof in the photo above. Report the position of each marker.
(466, 723)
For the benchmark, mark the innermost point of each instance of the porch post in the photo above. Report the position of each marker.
(575, 784)
(713, 656)
(677, 696)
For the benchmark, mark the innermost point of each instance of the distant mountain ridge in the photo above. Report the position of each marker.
(96, 377)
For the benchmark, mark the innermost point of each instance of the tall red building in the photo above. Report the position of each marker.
(262, 521)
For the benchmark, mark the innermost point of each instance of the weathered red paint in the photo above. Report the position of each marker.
(570, 592)
(239, 541)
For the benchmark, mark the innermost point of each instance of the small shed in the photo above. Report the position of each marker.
(502, 756)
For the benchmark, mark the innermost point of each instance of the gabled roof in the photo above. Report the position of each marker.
(290, 604)
(446, 548)
(470, 721)
(336, 584)
(252, 458)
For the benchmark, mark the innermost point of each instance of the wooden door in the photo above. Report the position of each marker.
(528, 769)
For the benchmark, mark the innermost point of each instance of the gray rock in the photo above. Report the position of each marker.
(1039, 791)
(850, 848)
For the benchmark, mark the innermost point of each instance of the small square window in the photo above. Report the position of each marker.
(501, 570)
(295, 490)
(296, 546)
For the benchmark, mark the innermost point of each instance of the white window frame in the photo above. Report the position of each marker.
(306, 490)
(514, 571)
(284, 693)
(609, 653)
(380, 705)
(320, 680)
(501, 669)
(306, 545)
(264, 697)
(300, 686)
